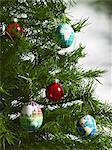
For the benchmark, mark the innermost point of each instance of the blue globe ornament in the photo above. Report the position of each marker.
(86, 126)
(65, 35)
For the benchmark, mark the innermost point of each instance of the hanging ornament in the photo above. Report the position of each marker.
(14, 28)
(65, 35)
(31, 117)
(55, 91)
(86, 126)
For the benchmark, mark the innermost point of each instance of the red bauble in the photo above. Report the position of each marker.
(55, 92)
(13, 28)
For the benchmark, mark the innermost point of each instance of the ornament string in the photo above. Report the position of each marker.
(56, 65)
(30, 86)
(9, 35)
(64, 17)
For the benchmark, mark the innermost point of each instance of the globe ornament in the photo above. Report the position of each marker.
(31, 117)
(65, 34)
(55, 91)
(86, 126)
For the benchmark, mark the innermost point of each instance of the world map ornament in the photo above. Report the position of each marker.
(65, 34)
(31, 117)
(55, 91)
(86, 126)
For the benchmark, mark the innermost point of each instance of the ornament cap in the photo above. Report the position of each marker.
(56, 80)
(30, 99)
(15, 20)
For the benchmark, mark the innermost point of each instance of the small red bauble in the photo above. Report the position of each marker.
(13, 28)
(55, 92)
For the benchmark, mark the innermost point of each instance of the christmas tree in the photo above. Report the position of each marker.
(47, 99)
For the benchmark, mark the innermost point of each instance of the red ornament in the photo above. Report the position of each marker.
(13, 28)
(55, 92)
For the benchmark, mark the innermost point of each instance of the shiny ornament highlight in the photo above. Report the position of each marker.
(65, 35)
(31, 117)
(55, 92)
(86, 126)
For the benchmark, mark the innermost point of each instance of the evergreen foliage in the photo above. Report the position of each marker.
(22, 79)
